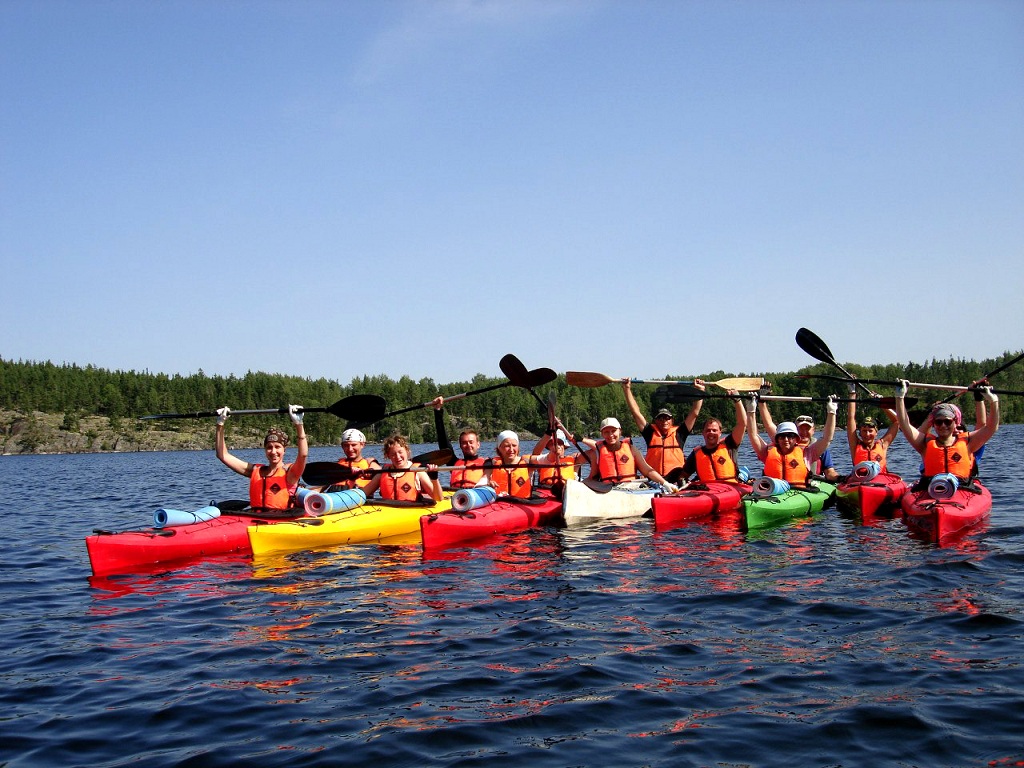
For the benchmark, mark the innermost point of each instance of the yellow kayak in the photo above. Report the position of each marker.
(375, 520)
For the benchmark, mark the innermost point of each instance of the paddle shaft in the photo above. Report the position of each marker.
(593, 379)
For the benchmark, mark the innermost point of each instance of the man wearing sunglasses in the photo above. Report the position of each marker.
(949, 450)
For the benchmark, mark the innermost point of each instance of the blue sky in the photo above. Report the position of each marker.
(639, 188)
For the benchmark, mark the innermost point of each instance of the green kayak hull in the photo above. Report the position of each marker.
(767, 512)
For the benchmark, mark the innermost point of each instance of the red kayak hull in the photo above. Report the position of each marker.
(124, 551)
(877, 497)
(449, 528)
(697, 501)
(944, 521)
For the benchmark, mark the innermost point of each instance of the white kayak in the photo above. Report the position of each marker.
(587, 502)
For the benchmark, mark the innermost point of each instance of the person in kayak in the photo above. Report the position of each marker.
(400, 479)
(822, 464)
(508, 473)
(715, 461)
(786, 459)
(663, 437)
(471, 466)
(614, 459)
(352, 444)
(949, 450)
(553, 466)
(863, 439)
(271, 485)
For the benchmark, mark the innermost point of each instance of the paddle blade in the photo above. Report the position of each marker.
(513, 369)
(538, 377)
(587, 379)
(321, 473)
(809, 342)
(741, 383)
(362, 408)
(439, 457)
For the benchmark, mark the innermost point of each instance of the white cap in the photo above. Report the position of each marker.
(560, 435)
(787, 428)
(611, 421)
(507, 434)
(353, 436)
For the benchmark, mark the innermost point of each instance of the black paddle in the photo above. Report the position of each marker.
(346, 408)
(810, 343)
(321, 473)
(510, 365)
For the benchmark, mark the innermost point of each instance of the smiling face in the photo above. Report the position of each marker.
(398, 454)
(508, 449)
(786, 442)
(867, 433)
(274, 452)
(469, 443)
(663, 422)
(712, 432)
(944, 427)
(611, 435)
(353, 450)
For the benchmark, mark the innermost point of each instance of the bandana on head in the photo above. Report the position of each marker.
(947, 411)
(275, 436)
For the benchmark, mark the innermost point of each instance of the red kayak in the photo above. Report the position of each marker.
(121, 552)
(698, 500)
(874, 497)
(943, 521)
(506, 515)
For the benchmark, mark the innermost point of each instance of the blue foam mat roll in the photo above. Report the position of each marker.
(473, 498)
(769, 486)
(943, 486)
(336, 501)
(166, 518)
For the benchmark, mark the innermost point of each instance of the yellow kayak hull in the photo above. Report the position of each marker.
(373, 521)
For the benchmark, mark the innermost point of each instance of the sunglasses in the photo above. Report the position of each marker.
(942, 422)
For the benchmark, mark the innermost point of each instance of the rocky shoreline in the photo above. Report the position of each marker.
(50, 433)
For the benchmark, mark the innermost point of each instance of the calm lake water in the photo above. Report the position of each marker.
(820, 643)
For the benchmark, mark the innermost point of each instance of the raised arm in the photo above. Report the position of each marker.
(295, 471)
(916, 438)
(741, 417)
(232, 462)
(819, 446)
(981, 436)
(634, 409)
(691, 417)
(766, 417)
(756, 442)
(852, 438)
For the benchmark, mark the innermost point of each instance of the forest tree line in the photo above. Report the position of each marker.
(123, 396)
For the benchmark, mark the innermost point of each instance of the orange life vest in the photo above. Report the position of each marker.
(271, 492)
(468, 477)
(356, 482)
(512, 481)
(616, 466)
(792, 468)
(547, 476)
(719, 464)
(876, 452)
(401, 487)
(664, 453)
(956, 459)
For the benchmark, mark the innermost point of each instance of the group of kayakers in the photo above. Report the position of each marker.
(792, 452)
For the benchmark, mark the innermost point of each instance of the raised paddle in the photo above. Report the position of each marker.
(330, 472)
(683, 393)
(810, 343)
(346, 408)
(591, 379)
(516, 374)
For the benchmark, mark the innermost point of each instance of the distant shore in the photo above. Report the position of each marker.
(50, 433)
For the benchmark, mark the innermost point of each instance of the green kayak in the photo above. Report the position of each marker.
(766, 512)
